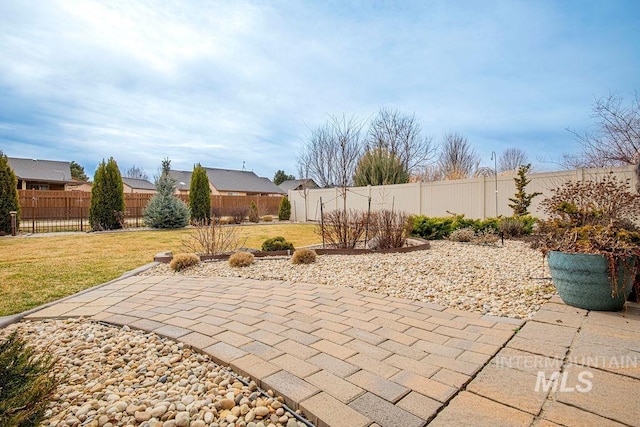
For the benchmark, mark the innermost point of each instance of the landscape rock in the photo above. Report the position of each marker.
(117, 383)
(510, 281)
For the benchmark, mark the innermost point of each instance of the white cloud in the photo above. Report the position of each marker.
(222, 82)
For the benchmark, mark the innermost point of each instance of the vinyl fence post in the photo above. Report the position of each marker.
(322, 222)
(366, 231)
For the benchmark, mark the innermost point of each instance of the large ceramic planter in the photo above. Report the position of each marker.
(582, 280)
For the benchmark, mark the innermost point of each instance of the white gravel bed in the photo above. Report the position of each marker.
(510, 280)
(120, 377)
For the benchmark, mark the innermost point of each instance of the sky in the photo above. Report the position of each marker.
(233, 83)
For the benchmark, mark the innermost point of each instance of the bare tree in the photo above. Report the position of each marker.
(400, 134)
(616, 139)
(457, 159)
(136, 172)
(349, 145)
(431, 172)
(511, 159)
(485, 171)
(330, 155)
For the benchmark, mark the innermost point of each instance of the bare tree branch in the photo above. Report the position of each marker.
(457, 160)
(485, 171)
(511, 159)
(401, 135)
(137, 173)
(332, 152)
(616, 140)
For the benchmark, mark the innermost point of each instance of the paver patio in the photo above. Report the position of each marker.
(355, 358)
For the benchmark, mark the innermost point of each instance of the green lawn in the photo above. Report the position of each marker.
(36, 270)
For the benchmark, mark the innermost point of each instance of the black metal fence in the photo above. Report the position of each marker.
(58, 211)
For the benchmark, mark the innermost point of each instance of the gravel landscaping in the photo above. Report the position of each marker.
(510, 280)
(118, 377)
(121, 377)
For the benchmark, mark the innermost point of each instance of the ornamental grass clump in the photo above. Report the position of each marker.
(486, 237)
(593, 217)
(516, 226)
(303, 256)
(466, 234)
(241, 259)
(27, 383)
(182, 261)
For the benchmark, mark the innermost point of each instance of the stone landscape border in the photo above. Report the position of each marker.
(166, 257)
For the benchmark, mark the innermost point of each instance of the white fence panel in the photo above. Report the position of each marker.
(475, 198)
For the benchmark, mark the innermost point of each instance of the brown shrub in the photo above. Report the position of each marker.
(343, 229)
(239, 213)
(182, 261)
(241, 259)
(213, 238)
(389, 229)
(303, 256)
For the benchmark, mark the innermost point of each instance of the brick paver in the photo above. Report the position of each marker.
(384, 413)
(326, 411)
(356, 358)
(470, 409)
(591, 357)
(388, 390)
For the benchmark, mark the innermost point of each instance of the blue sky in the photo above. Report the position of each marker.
(227, 82)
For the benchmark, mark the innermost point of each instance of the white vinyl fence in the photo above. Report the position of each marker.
(476, 198)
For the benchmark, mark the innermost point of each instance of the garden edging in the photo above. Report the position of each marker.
(166, 257)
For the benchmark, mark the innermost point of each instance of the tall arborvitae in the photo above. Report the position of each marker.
(199, 195)
(8, 195)
(380, 167)
(284, 210)
(165, 210)
(107, 197)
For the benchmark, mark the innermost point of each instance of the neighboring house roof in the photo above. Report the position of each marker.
(230, 180)
(41, 170)
(141, 184)
(183, 179)
(297, 184)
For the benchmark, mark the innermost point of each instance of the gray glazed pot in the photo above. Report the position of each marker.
(582, 280)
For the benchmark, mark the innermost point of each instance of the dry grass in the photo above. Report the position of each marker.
(36, 270)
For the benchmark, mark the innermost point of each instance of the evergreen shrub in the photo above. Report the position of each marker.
(107, 198)
(27, 383)
(8, 195)
(165, 210)
(284, 210)
(199, 195)
(276, 244)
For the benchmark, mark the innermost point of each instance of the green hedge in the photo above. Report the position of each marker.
(436, 228)
(276, 244)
